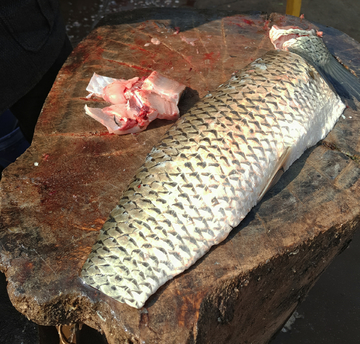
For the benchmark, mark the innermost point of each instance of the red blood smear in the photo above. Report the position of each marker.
(106, 133)
(247, 21)
(126, 124)
(208, 56)
(138, 48)
(143, 112)
(266, 25)
(132, 66)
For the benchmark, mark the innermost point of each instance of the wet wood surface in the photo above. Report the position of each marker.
(55, 198)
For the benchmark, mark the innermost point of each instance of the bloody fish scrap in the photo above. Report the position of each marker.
(135, 103)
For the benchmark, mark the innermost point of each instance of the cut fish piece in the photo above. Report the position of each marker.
(136, 102)
(115, 125)
(120, 110)
(115, 92)
(164, 109)
(97, 84)
(165, 87)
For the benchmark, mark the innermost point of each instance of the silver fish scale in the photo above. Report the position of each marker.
(314, 47)
(206, 174)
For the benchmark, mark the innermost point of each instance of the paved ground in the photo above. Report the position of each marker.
(81, 15)
(331, 312)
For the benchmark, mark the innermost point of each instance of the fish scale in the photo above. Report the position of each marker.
(207, 172)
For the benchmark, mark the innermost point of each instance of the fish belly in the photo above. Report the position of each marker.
(207, 172)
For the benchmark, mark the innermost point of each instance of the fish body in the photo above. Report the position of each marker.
(309, 45)
(208, 171)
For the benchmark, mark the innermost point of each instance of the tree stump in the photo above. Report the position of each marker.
(56, 197)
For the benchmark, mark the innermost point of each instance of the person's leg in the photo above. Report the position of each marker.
(27, 109)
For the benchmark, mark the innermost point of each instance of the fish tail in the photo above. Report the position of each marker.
(344, 82)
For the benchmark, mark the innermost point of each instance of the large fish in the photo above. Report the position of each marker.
(210, 169)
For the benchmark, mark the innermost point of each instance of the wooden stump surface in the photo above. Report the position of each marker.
(56, 197)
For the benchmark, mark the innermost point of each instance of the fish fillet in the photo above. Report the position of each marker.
(208, 171)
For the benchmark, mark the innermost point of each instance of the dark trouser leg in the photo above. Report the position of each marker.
(27, 109)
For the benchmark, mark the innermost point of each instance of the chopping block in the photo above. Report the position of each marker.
(56, 197)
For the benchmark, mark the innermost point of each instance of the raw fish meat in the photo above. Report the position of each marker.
(135, 102)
